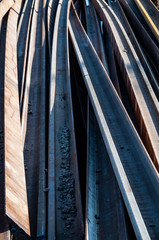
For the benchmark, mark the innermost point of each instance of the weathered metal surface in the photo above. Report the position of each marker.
(93, 31)
(37, 120)
(3, 219)
(16, 194)
(102, 214)
(150, 13)
(123, 20)
(64, 201)
(23, 38)
(51, 14)
(97, 196)
(33, 123)
(147, 43)
(26, 81)
(144, 101)
(42, 200)
(131, 163)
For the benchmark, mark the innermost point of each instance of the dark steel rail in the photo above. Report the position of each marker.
(42, 190)
(102, 214)
(64, 199)
(22, 44)
(51, 14)
(123, 20)
(147, 43)
(150, 14)
(144, 101)
(104, 209)
(33, 117)
(94, 34)
(136, 176)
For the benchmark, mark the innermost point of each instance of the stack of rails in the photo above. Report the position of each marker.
(32, 58)
(142, 96)
(150, 14)
(123, 20)
(116, 55)
(140, 27)
(102, 214)
(64, 200)
(136, 11)
(119, 139)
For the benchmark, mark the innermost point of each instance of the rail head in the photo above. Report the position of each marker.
(60, 85)
(136, 218)
(134, 212)
(146, 8)
(143, 99)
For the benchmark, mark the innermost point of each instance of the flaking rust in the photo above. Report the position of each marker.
(66, 185)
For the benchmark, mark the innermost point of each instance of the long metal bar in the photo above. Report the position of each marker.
(121, 140)
(123, 20)
(150, 13)
(144, 101)
(64, 200)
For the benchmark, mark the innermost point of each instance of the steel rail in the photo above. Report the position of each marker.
(138, 15)
(22, 44)
(95, 37)
(64, 200)
(4, 226)
(35, 144)
(150, 14)
(111, 63)
(32, 120)
(15, 184)
(94, 33)
(101, 214)
(131, 164)
(42, 189)
(123, 20)
(51, 14)
(32, 53)
(104, 209)
(24, 98)
(77, 6)
(144, 101)
(51, 147)
(148, 44)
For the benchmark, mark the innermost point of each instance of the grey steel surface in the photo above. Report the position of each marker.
(65, 209)
(136, 163)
